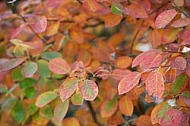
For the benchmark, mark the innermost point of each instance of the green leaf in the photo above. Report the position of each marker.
(30, 92)
(26, 83)
(77, 99)
(29, 69)
(16, 74)
(186, 94)
(18, 112)
(178, 84)
(31, 109)
(61, 110)
(51, 55)
(45, 98)
(8, 104)
(3, 88)
(46, 112)
(43, 68)
(115, 9)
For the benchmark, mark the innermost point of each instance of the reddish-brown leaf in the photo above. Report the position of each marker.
(18, 30)
(143, 120)
(115, 120)
(90, 5)
(85, 57)
(118, 74)
(54, 3)
(112, 20)
(155, 38)
(181, 22)
(186, 41)
(164, 18)
(155, 85)
(126, 105)
(137, 11)
(40, 25)
(72, 121)
(128, 82)
(179, 63)
(68, 87)
(170, 75)
(123, 62)
(89, 90)
(169, 35)
(77, 35)
(186, 34)
(108, 108)
(188, 71)
(59, 66)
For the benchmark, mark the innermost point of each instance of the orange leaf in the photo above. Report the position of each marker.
(59, 66)
(72, 121)
(155, 85)
(126, 105)
(118, 74)
(143, 120)
(77, 35)
(123, 62)
(90, 5)
(53, 28)
(137, 11)
(116, 39)
(108, 108)
(128, 82)
(85, 57)
(164, 18)
(170, 75)
(112, 20)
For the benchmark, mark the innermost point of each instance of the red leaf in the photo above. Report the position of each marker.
(126, 105)
(90, 5)
(108, 108)
(137, 11)
(118, 74)
(186, 34)
(186, 41)
(128, 82)
(112, 20)
(181, 22)
(68, 87)
(59, 66)
(155, 85)
(40, 25)
(89, 90)
(164, 18)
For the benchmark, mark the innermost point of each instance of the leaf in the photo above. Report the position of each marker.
(16, 74)
(123, 62)
(51, 55)
(137, 11)
(43, 68)
(8, 104)
(155, 85)
(12, 63)
(108, 108)
(72, 121)
(53, 28)
(61, 110)
(112, 20)
(46, 112)
(143, 120)
(185, 97)
(31, 109)
(68, 87)
(90, 5)
(118, 74)
(186, 42)
(89, 90)
(59, 66)
(77, 35)
(128, 82)
(29, 69)
(40, 25)
(85, 57)
(182, 22)
(77, 99)
(169, 35)
(154, 114)
(26, 83)
(115, 9)
(164, 18)
(178, 84)
(179, 63)
(18, 112)
(18, 30)
(45, 98)
(54, 3)
(30, 92)
(155, 38)
(170, 75)
(126, 105)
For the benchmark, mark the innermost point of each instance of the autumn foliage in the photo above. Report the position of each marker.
(95, 62)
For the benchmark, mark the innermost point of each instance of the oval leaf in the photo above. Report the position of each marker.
(112, 20)
(45, 98)
(181, 22)
(40, 25)
(29, 69)
(61, 110)
(77, 99)
(68, 87)
(51, 55)
(128, 82)
(164, 18)
(71, 122)
(89, 90)
(43, 69)
(126, 105)
(59, 66)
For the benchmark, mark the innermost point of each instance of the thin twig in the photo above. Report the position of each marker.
(79, 2)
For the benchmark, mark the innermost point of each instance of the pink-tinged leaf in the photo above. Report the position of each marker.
(186, 34)
(126, 105)
(155, 85)
(155, 38)
(18, 30)
(68, 87)
(173, 117)
(128, 82)
(118, 74)
(164, 18)
(181, 22)
(137, 11)
(90, 5)
(59, 66)
(146, 4)
(2, 63)
(40, 25)
(54, 3)
(29, 69)
(112, 20)
(186, 41)
(169, 35)
(89, 90)
(179, 63)
(170, 75)
(61, 110)
(188, 71)
(108, 108)
(45, 98)
(12, 63)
